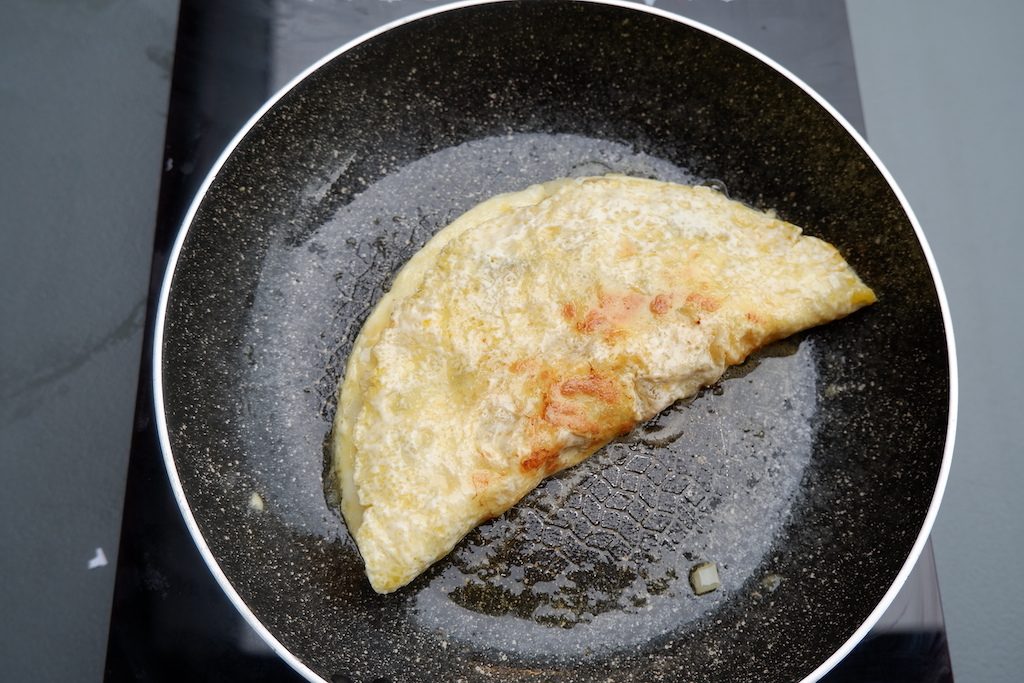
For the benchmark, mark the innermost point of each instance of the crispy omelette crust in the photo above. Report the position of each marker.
(541, 325)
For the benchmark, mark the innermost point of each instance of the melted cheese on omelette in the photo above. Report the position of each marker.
(541, 325)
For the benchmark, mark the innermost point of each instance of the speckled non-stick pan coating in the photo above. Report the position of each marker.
(805, 475)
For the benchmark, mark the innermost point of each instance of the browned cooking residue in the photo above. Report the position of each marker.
(592, 385)
(541, 457)
(703, 302)
(661, 304)
(522, 365)
(480, 482)
(611, 315)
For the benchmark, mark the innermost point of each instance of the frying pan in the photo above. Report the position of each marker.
(810, 475)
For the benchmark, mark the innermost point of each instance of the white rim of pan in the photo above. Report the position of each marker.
(158, 393)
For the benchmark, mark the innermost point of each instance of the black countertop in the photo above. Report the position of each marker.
(222, 73)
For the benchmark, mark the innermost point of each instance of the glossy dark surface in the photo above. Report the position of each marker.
(804, 541)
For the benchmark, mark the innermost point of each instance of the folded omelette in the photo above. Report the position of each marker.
(539, 326)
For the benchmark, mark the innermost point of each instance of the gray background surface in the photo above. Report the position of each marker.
(941, 88)
(83, 102)
(83, 94)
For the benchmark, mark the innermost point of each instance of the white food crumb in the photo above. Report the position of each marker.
(704, 578)
(98, 560)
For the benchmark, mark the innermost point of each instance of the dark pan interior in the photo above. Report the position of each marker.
(806, 474)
